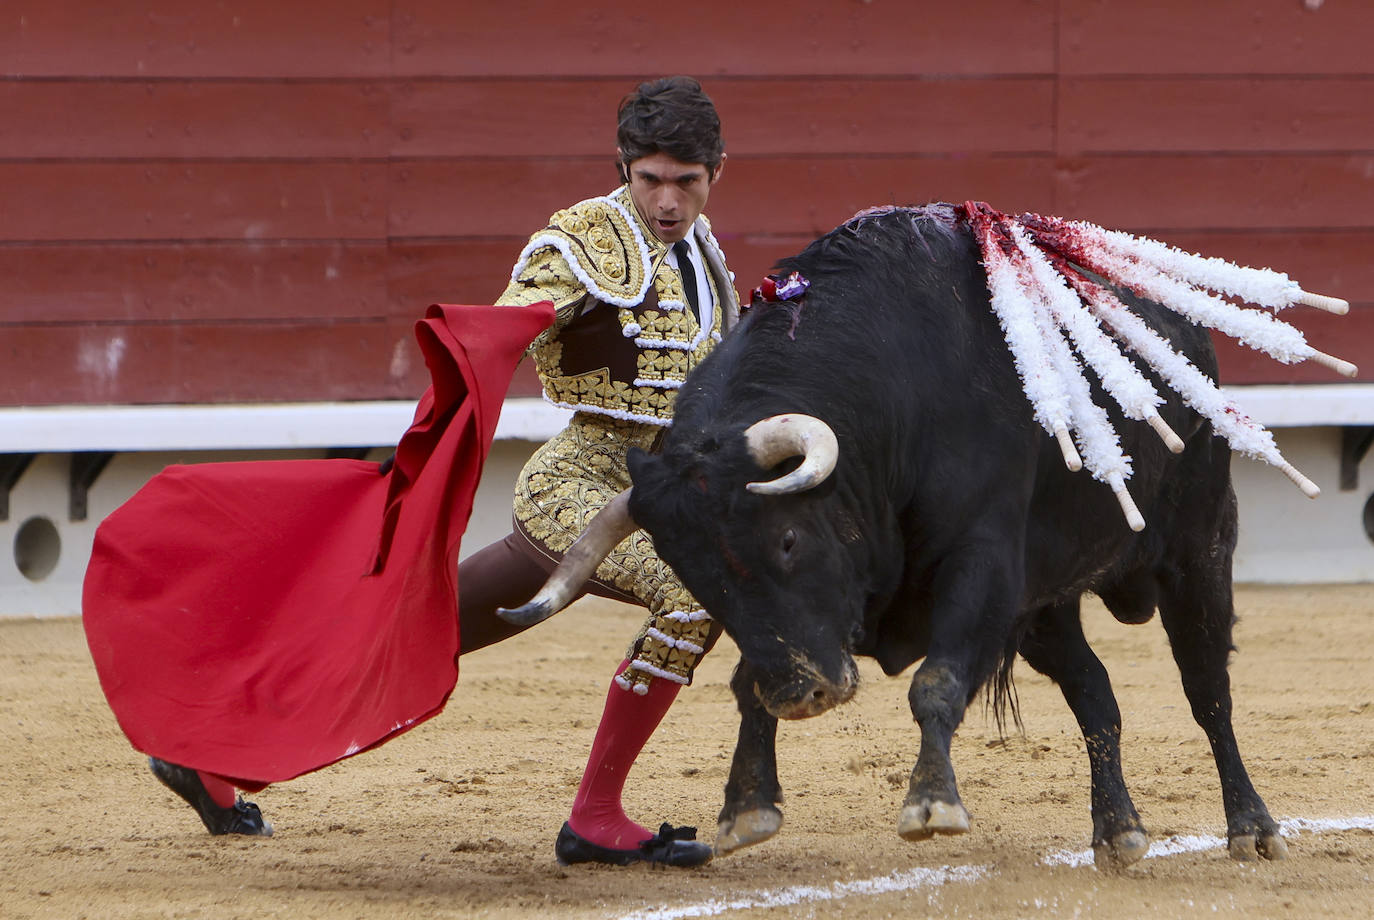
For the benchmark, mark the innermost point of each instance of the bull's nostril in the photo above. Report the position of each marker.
(818, 695)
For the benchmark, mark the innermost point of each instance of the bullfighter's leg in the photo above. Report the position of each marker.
(973, 610)
(566, 482)
(658, 664)
(214, 799)
(1196, 609)
(1056, 647)
(501, 574)
(752, 793)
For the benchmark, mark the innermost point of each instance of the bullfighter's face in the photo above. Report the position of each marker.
(670, 194)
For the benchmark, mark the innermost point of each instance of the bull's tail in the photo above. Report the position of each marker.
(1001, 696)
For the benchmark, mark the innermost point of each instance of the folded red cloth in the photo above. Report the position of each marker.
(263, 619)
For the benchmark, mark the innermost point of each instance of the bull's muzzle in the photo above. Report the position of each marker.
(807, 693)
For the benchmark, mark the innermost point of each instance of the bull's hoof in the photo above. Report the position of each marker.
(1125, 849)
(747, 829)
(922, 820)
(1262, 845)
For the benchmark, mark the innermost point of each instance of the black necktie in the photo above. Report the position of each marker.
(688, 271)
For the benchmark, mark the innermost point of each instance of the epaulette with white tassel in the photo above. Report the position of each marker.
(1036, 274)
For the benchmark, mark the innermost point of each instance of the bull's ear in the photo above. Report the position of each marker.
(639, 463)
(646, 470)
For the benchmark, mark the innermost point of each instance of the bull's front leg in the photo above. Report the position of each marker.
(752, 794)
(971, 620)
(932, 803)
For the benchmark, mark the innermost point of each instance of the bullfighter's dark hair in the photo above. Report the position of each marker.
(671, 115)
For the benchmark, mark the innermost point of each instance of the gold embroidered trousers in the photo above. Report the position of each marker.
(562, 487)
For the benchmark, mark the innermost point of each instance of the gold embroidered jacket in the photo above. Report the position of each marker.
(624, 339)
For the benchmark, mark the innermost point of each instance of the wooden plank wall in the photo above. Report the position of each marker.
(254, 200)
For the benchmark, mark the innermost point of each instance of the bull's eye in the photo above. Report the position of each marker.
(789, 540)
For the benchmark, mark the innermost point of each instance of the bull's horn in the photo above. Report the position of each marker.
(612, 524)
(774, 439)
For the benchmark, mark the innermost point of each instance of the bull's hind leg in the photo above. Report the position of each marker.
(1196, 609)
(752, 793)
(1056, 647)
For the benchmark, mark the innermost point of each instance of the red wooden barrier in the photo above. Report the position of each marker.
(249, 200)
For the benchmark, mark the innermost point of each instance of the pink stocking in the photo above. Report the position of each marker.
(220, 790)
(626, 724)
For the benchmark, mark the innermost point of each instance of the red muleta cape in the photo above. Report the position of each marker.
(260, 620)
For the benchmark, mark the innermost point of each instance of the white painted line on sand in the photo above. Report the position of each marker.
(1190, 843)
(902, 880)
(937, 876)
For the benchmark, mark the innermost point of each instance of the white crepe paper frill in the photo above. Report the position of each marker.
(1261, 286)
(1251, 328)
(1017, 316)
(1097, 440)
(1133, 393)
(1033, 294)
(1197, 389)
(1056, 319)
(1183, 282)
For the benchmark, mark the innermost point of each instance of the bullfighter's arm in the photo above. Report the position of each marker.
(546, 276)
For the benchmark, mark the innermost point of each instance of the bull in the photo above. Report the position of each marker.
(859, 473)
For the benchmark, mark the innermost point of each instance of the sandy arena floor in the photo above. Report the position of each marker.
(457, 818)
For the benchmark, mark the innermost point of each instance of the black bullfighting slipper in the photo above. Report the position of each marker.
(243, 818)
(671, 846)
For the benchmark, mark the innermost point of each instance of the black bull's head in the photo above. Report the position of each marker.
(765, 557)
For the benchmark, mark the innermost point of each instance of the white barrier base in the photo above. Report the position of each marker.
(1285, 537)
